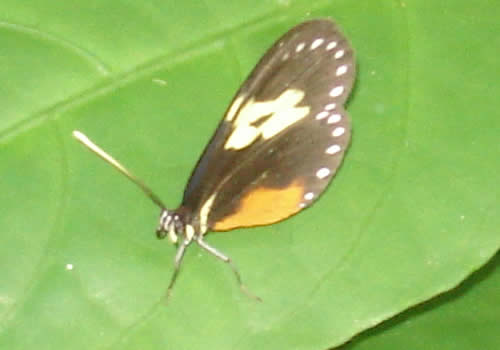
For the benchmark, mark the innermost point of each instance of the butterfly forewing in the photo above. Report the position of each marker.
(283, 136)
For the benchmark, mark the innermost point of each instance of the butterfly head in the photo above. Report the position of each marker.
(171, 225)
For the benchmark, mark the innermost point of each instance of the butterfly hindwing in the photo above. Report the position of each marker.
(283, 136)
(286, 177)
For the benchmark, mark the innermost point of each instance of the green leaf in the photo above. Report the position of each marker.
(464, 319)
(411, 214)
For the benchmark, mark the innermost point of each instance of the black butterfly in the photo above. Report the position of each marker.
(278, 146)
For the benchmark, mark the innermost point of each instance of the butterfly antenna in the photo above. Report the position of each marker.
(83, 139)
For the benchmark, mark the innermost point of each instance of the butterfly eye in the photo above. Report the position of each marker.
(162, 229)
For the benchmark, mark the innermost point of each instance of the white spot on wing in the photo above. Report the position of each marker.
(321, 115)
(333, 149)
(316, 43)
(330, 106)
(308, 196)
(338, 131)
(285, 56)
(341, 70)
(339, 54)
(322, 173)
(334, 118)
(69, 267)
(300, 47)
(331, 45)
(337, 91)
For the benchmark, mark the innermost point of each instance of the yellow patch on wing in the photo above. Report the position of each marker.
(234, 108)
(282, 112)
(264, 206)
(205, 210)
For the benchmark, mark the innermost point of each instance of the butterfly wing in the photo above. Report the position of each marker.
(283, 136)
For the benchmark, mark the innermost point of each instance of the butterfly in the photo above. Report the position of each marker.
(280, 142)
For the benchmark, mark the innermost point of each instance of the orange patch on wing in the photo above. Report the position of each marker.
(264, 206)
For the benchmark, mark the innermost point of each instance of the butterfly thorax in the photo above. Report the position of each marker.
(175, 223)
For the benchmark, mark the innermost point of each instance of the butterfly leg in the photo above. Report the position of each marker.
(177, 264)
(228, 261)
